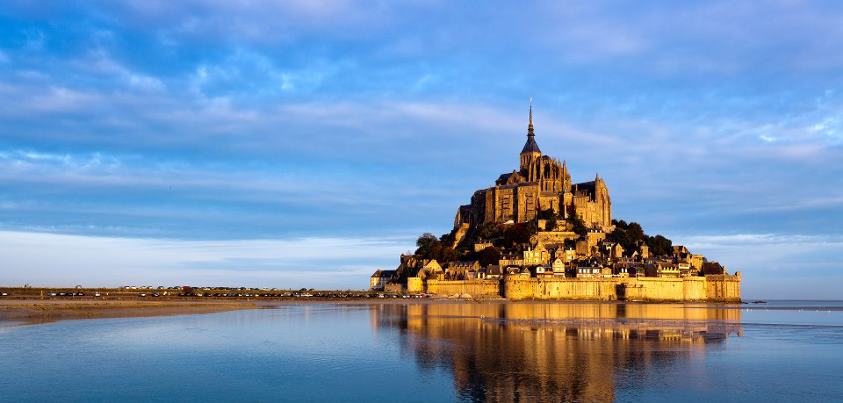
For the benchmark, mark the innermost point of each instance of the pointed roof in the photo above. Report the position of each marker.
(530, 146)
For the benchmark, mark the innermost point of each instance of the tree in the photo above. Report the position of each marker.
(635, 232)
(549, 216)
(659, 245)
(577, 224)
(448, 239)
(627, 235)
(446, 254)
(518, 234)
(490, 255)
(712, 268)
(426, 243)
(431, 247)
(489, 231)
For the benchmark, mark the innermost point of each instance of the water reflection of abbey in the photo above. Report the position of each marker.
(552, 352)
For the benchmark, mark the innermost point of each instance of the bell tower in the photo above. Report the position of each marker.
(531, 151)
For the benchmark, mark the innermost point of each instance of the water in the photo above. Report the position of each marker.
(781, 351)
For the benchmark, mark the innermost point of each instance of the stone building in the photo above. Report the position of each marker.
(380, 278)
(541, 183)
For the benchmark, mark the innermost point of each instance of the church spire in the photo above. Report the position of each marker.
(530, 132)
(531, 151)
(530, 146)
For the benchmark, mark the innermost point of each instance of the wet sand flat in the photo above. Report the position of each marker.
(41, 311)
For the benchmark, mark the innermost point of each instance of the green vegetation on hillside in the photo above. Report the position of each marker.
(630, 235)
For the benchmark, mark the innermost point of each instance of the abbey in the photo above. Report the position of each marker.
(541, 183)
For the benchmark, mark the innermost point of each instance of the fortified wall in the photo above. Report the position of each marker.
(475, 288)
(720, 288)
(516, 288)
(713, 288)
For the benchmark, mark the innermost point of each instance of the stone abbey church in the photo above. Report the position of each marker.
(540, 183)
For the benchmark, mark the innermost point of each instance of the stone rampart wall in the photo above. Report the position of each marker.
(665, 289)
(474, 288)
(516, 288)
(722, 288)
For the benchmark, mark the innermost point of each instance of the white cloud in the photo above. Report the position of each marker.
(59, 99)
(53, 259)
(776, 266)
(100, 62)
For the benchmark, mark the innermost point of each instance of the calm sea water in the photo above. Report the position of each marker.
(781, 351)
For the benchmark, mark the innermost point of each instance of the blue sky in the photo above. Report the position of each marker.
(306, 143)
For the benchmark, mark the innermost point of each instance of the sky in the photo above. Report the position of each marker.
(306, 143)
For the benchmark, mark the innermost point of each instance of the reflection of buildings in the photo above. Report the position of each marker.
(552, 352)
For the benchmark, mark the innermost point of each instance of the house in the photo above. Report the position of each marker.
(379, 279)
(431, 270)
(667, 269)
(512, 270)
(621, 270)
(511, 261)
(537, 256)
(558, 267)
(612, 250)
(569, 255)
(588, 271)
(644, 251)
(482, 245)
(680, 251)
(684, 269)
(697, 261)
(544, 270)
(490, 272)
(462, 270)
(617, 251)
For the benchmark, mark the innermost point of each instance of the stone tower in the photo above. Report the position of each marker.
(531, 151)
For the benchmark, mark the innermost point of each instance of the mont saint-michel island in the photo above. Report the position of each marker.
(536, 234)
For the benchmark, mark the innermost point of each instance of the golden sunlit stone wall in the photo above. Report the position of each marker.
(474, 288)
(415, 285)
(666, 289)
(560, 288)
(722, 288)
